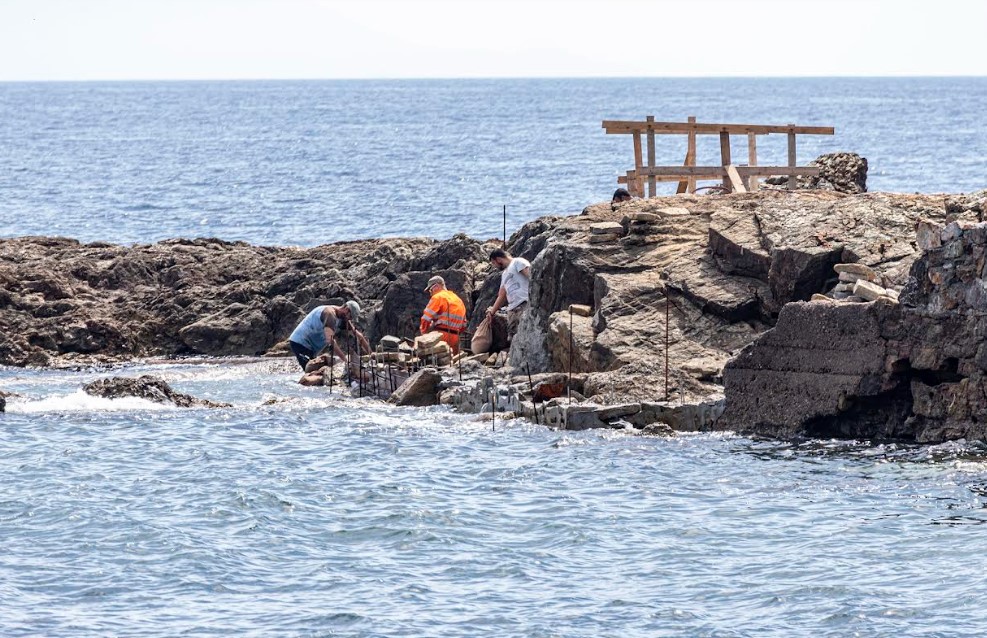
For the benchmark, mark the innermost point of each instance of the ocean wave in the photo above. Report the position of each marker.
(79, 401)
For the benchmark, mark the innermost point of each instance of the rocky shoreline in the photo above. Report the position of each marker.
(732, 274)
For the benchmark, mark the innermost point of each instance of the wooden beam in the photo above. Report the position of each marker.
(638, 187)
(689, 185)
(752, 159)
(717, 172)
(734, 177)
(791, 160)
(701, 128)
(725, 157)
(652, 190)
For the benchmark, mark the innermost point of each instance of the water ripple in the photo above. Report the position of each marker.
(325, 516)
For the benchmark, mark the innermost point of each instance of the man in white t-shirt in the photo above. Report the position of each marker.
(515, 278)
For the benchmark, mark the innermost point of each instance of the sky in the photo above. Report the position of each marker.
(44, 40)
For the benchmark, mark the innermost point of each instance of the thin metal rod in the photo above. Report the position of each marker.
(360, 363)
(505, 225)
(373, 370)
(332, 361)
(493, 407)
(667, 301)
(531, 386)
(569, 383)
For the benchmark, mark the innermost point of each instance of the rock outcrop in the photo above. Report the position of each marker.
(718, 271)
(912, 371)
(66, 302)
(146, 387)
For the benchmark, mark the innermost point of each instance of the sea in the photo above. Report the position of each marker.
(303, 512)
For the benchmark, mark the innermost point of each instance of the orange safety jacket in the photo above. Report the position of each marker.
(445, 312)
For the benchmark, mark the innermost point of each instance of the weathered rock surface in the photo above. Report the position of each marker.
(719, 268)
(913, 371)
(65, 302)
(146, 387)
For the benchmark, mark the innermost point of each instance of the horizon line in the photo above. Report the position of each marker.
(490, 78)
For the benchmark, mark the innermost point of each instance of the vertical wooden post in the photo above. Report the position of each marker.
(651, 157)
(637, 187)
(752, 181)
(791, 158)
(634, 184)
(689, 185)
(725, 157)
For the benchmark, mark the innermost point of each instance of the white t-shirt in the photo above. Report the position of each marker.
(515, 283)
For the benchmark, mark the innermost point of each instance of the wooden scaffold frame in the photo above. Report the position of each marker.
(735, 178)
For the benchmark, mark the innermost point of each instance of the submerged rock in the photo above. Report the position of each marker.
(146, 387)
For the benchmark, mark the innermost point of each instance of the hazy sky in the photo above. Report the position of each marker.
(211, 39)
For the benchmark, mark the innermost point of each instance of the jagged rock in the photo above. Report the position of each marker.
(603, 239)
(419, 390)
(3, 402)
(146, 387)
(859, 271)
(723, 267)
(648, 218)
(914, 371)
(868, 291)
(606, 228)
(842, 172)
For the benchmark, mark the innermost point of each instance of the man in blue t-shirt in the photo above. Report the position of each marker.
(320, 327)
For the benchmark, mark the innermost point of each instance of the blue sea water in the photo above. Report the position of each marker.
(301, 513)
(304, 163)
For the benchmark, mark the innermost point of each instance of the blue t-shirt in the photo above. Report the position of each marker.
(310, 333)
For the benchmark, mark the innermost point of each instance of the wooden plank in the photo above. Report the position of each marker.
(633, 184)
(717, 172)
(622, 179)
(638, 187)
(652, 190)
(689, 185)
(725, 156)
(791, 160)
(616, 127)
(752, 159)
(735, 182)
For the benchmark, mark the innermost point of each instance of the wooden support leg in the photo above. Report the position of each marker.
(736, 183)
(637, 188)
(689, 185)
(725, 156)
(752, 181)
(791, 159)
(652, 187)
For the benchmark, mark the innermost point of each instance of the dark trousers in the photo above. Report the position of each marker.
(303, 354)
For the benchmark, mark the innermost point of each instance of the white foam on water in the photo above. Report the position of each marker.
(79, 401)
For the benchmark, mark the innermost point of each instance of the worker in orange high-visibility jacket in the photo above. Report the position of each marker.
(445, 312)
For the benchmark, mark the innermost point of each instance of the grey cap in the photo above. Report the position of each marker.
(354, 309)
(434, 280)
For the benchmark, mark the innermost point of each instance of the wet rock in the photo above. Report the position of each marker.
(146, 387)
(419, 390)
